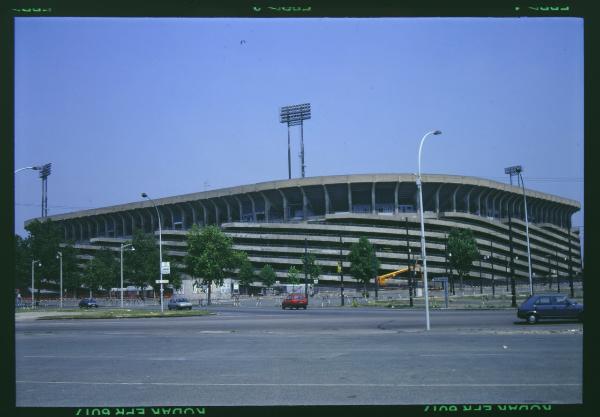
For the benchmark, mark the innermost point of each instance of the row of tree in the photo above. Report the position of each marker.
(210, 259)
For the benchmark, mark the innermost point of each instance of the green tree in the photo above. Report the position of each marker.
(463, 248)
(267, 275)
(44, 242)
(72, 273)
(210, 255)
(246, 273)
(363, 263)
(141, 266)
(23, 260)
(102, 271)
(312, 269)
(292, 276)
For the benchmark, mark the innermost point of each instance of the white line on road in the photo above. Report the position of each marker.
(298, 385)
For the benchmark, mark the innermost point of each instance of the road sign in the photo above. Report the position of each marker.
(165, 268)
(316, 281)
(162, 281)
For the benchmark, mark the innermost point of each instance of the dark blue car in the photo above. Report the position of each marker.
(88, 303)
(549, 306)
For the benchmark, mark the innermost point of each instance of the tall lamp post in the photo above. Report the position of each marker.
(33, 281)
(421, 209)
(59, 255)
(516, 170)
(36, 168)
(144, 195)
(123, 246)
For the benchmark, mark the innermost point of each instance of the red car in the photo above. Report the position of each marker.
(295, 301)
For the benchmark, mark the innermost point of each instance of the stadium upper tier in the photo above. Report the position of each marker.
(273, 222)
(309, 198)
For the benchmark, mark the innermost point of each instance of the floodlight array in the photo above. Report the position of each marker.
(294, 115)
(513, 170)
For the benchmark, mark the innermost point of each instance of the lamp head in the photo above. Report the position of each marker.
(437, 132)
(144, 195)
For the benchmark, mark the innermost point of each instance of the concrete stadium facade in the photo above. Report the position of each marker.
(272, 222)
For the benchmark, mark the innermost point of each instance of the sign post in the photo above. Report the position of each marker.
(443, 280)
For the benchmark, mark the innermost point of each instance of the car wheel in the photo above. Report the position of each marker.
(580, 317)
(283, 307)
(532, 319)
(190, 308)
(304, 307)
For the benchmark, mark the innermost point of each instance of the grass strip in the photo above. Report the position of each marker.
(126, 314)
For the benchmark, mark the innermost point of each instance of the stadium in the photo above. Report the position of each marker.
(274, 221)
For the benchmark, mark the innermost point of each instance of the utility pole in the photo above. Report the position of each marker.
(341, 272)
(410, 277)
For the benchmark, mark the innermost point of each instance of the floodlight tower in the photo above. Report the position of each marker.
(44, 173)
(295, 115)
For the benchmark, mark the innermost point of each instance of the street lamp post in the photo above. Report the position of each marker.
(36, 168)
(421, 209)
(33, 281)
(123, 246)
(59, 255)
(485, 258)
(527, 234)
(341, 272)
(144, 195)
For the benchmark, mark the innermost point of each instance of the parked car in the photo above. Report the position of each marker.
(88, 303)
(179, 303)
(549, 306)
(295, 301)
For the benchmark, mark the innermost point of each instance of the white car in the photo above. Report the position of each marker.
(179, 303)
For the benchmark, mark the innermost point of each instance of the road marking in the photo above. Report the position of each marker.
(193, 384)
(465, 353)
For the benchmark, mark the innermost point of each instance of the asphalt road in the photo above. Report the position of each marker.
(266, 356)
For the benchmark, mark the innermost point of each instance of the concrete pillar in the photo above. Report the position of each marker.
(304, 203)
(267, 203)
(285, 205)
(326, 196)
(228, 209)
(170, 214)
(132, 221)
(240, 206)
(217, 212)
(396, 198)
(373, 199)
(468, 200)
(502, 196)
(253, 207)
(204, 212)
(437, 199)
(123, 229)
(141, 215)
(182, 212)
(350, 197)
(194, 216)
(454, 198)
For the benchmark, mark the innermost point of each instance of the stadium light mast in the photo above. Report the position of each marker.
(421, 209)
(295, 115)
(44, 173)
(516, 170)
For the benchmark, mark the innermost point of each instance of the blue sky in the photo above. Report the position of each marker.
(174, 106)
